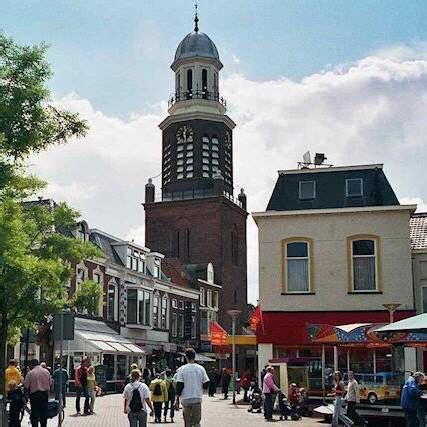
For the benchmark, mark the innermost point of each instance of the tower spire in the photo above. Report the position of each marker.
(196, 18)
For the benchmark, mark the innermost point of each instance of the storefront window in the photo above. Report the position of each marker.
(121, 367)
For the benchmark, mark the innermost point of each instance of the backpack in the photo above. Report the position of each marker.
(135, 404)
(171, 390)
(157, 390)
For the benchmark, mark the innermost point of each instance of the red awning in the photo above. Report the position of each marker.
(290, 328)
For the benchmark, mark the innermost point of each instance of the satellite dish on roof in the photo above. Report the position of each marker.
(306, 158)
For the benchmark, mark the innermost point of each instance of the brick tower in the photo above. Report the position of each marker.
(198, 220)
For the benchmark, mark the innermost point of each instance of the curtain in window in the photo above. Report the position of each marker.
(297, 275)
(364, 273)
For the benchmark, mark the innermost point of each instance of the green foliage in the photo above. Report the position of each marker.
(36, 247)
(35, 260)
(88, 297)
(27, 120)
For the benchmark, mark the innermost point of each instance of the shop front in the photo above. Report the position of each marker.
(107, 351)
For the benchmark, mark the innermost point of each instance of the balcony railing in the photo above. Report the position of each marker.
(196, 94)
(169, 196)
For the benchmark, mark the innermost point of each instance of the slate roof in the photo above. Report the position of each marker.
(418, 224)
(331, 188)
(104, 243)
(173, 268)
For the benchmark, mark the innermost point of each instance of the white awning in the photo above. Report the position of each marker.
(95, 336)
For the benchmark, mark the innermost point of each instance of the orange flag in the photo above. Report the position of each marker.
(256, 319)
(218, 335)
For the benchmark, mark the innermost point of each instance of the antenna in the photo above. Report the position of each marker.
(306, 157)
(319, 160)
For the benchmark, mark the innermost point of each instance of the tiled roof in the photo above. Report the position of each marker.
(418, 225)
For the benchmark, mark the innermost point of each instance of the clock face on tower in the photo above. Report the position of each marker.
(184, 135)
(227, 140)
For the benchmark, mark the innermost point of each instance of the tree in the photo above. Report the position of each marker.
(36, 255)
(88, 297)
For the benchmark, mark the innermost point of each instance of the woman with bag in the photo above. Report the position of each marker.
(159, 395)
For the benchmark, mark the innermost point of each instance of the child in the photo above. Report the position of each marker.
(16, 398)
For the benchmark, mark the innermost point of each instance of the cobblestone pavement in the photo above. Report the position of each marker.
(216, 413)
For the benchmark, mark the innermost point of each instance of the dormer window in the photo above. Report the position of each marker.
(156, 271)
(354, 187)
(307, 190)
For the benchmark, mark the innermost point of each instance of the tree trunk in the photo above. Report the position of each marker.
(3, 363)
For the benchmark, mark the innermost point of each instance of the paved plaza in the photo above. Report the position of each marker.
(216, 413)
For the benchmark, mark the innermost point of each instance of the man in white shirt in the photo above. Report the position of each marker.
(352, 396)
(190, 380)
(136, 394)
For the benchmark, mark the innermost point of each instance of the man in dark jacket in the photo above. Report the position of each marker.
(410, 398)
(80, 381)
(225, 382)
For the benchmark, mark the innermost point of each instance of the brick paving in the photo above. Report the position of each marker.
(216, 413)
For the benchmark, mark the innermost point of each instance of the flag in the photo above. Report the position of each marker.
(218, 335)
(256, 318)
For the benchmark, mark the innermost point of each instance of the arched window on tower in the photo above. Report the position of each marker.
(235, 246)
(205, 83)
(216, 85)
(178, 86)
(187, 241)
(189, 84)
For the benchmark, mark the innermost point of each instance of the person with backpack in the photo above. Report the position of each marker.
(170, 385)
(136, 395)
(159, 395)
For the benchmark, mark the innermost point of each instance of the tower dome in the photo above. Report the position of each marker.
(196, 45)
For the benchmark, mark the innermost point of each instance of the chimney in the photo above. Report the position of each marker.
(149, 191)
(242, 198)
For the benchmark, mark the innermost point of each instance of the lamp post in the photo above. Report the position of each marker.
(234, 314)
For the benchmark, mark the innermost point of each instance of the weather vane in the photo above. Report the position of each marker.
(196, 18)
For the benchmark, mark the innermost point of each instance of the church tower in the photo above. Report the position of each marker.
(197, 219)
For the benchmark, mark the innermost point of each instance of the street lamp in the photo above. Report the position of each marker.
(234, 314)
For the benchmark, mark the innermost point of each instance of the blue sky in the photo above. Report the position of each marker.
(117, 53)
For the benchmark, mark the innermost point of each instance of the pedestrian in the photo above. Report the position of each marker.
(170, 402)
(245, 382)
(149, 373)
(338, 391)
(352, 396)
(12, 373)
(159, 395)
(60, 383)
(213, 381)
(38, 384)
(410, 398)
(190, 380)
(92, 388)
(16, 398)
(269, 388)
(136, 396)
(263, 372)
(80, 379)
(225, 382)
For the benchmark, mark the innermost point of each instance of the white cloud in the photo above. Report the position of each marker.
(370, 111)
